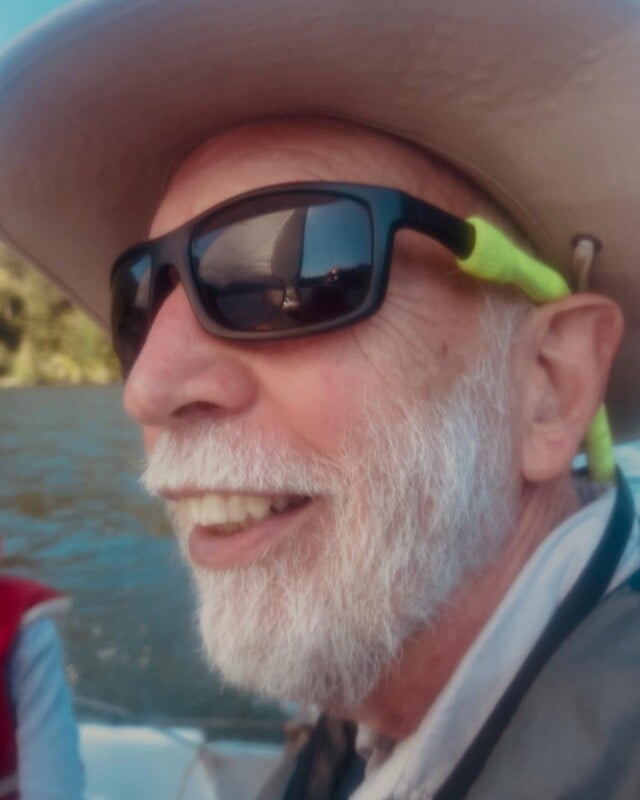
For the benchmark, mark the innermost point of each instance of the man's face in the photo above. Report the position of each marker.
(326, 490)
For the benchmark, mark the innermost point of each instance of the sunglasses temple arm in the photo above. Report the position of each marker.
(497, 260)
(456, 234)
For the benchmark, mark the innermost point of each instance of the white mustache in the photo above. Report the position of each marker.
(203, 456)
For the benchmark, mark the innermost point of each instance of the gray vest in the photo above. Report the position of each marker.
(576, 733)
(568, 726)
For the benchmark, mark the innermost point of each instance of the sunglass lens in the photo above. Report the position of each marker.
(131, 290)
(285, 262)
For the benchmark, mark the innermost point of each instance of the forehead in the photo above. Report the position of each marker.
(280, 151)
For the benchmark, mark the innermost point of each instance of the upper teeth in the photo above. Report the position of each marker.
(221, 509)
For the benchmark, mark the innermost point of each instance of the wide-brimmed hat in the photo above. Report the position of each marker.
(538, 101)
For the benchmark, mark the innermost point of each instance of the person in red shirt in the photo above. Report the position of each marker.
(39, 754)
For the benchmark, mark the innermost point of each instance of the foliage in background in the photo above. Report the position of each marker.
(44, 339)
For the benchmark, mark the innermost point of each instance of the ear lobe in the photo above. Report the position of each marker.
(569, 348)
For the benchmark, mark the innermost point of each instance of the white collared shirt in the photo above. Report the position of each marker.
(418, 766)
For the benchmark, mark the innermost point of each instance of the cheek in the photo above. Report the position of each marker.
(410, 351)
(323, 391)
(430, 329)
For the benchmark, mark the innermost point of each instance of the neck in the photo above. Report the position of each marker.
(429, 658)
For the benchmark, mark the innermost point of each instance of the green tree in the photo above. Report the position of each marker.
(43, 338)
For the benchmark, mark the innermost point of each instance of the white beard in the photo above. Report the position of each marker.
(412, 507)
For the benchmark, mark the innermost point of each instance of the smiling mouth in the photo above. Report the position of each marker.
(224, 513)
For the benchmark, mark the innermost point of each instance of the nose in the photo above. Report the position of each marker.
(182, 367)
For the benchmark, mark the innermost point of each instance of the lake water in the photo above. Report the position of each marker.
(73, 515)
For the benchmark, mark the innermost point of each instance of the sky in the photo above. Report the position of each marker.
(17, 15)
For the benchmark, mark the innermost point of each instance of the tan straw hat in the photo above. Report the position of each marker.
(537, 100)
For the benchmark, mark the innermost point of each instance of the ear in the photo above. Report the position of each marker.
(568, 349)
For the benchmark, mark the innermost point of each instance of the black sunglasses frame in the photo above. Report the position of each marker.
(389, 210)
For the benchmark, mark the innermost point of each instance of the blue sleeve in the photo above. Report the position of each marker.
(49, 765)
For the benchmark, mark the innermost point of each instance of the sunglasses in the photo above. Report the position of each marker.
(277, 263)
(306, 258)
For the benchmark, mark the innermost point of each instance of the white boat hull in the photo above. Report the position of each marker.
(127, 762)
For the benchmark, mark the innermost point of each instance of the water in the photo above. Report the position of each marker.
(73, 515)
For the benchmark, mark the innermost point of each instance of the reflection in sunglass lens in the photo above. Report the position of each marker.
(300, 260)
(249, 304)
(130, 306)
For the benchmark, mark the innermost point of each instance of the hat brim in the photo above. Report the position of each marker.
(539, 103)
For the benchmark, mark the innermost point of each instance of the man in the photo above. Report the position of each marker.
(371, 482)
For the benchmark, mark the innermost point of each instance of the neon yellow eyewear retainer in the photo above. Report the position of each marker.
(497, 260)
